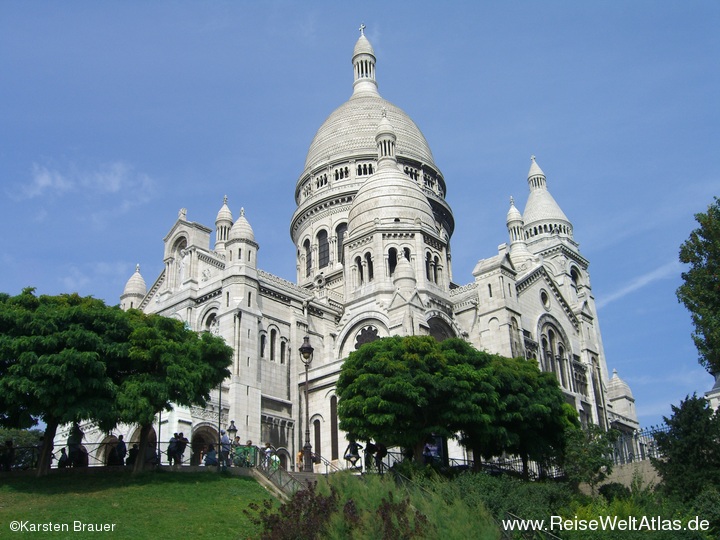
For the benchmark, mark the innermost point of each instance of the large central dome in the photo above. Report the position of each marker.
(350, 131)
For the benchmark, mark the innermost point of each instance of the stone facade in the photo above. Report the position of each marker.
(372, 231)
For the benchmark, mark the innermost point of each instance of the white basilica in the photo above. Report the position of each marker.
(372, 231)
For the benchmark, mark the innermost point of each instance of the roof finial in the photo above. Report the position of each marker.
(532, 158)
(362, 29)
(512, 201)
(225, 199)
(242, 212)
(137, 268)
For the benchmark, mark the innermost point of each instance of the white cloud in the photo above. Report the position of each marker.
(666, 271)
(44, 181)
(116, 183)
(75, 280)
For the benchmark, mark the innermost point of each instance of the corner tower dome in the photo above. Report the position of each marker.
(242, 230)
(136, 284)
(542, 214)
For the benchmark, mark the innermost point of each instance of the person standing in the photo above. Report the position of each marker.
(121, 450)
(224, 449)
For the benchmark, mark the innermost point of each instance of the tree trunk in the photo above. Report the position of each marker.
(43, 464)
(141, 459)
(477, 461)
(418, 452)
(525, 471)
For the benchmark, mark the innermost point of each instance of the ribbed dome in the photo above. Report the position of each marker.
(389, 197)
(224, 214)
(541, 207)
(513, 214)
(241, 230)
(618, 388)
(363, 46)
(136, 284)
(350, 131)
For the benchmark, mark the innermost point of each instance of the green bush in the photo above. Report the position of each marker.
(614, 490)
(375, 507)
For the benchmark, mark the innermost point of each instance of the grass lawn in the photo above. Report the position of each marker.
(154, 505)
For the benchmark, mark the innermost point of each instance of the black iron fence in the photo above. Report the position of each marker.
(638, 446)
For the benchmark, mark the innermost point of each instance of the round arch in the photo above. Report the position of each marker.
(374, 324)
(203, 435)
(441, 326)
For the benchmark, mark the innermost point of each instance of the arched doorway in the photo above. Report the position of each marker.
(202, 437)
(152, 442)
(104, 451)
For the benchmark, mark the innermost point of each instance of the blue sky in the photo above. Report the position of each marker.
(114, 115)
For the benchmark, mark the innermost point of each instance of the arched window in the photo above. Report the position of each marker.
(392, 260)
(211, 322)
(273, 339)
(323, 249)
(341, 231)
(316, 426)
(334, 450)
(308, 258)
(282, 352)
(435, 269)
(358, 264)
(428, 273)
(263, 339)
(368, 262)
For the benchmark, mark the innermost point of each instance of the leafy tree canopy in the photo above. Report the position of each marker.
(700, 291)
(690, 449)
(54, 352)
(66, 359)
(396, 391)
(401, 390)
(589, 455)
(167, 363)
(533, 418)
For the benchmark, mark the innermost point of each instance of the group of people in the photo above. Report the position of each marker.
(374, 455)
(176, 449)
(234, 453)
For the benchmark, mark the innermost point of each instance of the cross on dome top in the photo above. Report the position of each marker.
(362, 29)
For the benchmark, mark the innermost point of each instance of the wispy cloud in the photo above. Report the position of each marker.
(666, 271)
(44, 181)
(116, 183)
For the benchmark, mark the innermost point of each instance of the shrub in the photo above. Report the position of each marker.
(614, 490)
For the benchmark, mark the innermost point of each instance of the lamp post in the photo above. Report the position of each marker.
(232, 430)
(306, 354)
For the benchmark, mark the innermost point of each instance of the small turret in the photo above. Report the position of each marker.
(241, 246)
(223, 224)
(519, 252)
(134, 292)
(364, 65)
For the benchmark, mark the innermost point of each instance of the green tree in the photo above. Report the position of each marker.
(54, 352)
(533, 418)
(25, 442)
(588, 455)
(690, 449)
(396, 390)
(167, 364)
(476, 398)
(700, 291)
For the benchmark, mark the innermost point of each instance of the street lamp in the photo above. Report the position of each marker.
(306, 354)
(232, 430)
